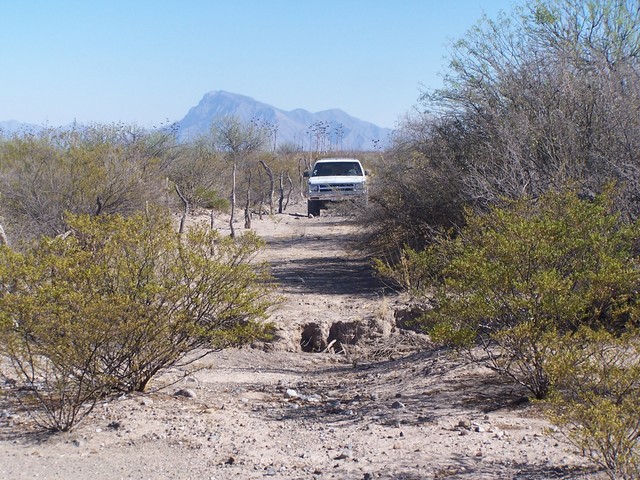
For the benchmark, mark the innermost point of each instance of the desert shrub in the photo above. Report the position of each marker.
(52, 333)
(416, 192)
(596, 397)
(210, 199)
(199, 173)
(518, 276)
(118, 300)
(531, 100)
(100, 168)
(414, 270)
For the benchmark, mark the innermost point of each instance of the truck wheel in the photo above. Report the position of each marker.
(313, 208)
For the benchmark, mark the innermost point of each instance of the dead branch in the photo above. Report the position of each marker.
(271, 185)
(247, 205)
(3, 237)
(281, 192)
(183, 219)
(290, 182)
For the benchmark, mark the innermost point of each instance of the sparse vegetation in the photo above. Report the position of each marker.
(474, 217)
(517, 277)
(596, 375)
(116, 301)
(531, 102)
(97, 169)
(507, 206)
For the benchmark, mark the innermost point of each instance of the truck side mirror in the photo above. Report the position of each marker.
(305, 174)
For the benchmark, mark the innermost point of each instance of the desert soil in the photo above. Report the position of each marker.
(383, 410)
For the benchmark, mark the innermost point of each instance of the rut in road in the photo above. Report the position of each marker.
(323, 278)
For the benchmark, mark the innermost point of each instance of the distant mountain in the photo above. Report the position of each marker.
(329, 129)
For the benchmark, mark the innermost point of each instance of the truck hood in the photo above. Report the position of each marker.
(337, 179)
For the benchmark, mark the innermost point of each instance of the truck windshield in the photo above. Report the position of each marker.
(337, 169)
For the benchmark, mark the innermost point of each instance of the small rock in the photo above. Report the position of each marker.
(147, 402)
(346, 453)
(397, 405)
(291, 393)
(185, 392)
(464, 424)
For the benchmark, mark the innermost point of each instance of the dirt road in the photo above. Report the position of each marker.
(283, 413)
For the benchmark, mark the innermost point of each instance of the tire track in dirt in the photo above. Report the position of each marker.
(323, 278)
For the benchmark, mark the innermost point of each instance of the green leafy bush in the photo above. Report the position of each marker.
(547, 288)
(53, 333)
(416, 271)
(210, 199)
(516, 277)
(118, 300)
(99, 168)
(596, 397)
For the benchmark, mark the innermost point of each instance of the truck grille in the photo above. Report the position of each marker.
(336, 187)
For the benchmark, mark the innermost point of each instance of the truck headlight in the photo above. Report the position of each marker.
(358, 187)
(314, 188)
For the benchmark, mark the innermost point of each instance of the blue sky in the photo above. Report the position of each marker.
(147, 62)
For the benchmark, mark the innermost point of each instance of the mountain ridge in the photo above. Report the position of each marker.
(305, 130)
(331, 129)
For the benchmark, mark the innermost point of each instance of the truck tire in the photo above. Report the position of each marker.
(313, 208)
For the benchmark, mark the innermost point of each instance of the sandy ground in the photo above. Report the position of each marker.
(273, 411)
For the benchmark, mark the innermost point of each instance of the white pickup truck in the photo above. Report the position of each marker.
(334, 180)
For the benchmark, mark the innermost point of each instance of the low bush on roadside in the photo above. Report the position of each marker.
(596, 397)
(110, 305)
(517, 277)
(547, 288)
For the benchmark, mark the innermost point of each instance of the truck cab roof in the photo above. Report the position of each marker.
(336, 167)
